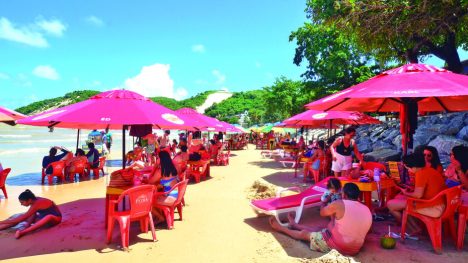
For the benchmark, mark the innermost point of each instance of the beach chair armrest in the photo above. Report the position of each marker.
(293, 188)
(301, 207)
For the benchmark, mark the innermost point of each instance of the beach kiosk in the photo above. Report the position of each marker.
(95, 137)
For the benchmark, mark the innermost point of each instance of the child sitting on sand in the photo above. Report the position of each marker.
(42, 212)
(333, 192)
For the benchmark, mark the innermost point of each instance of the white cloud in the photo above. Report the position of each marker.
(199, 48)
(95, 21)
(4, 76)
(46, 72)
(152, 81)
(220, 78)
(25, 35)
(180, 93)
(53, 27)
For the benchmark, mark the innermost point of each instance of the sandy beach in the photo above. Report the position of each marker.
(218, 225)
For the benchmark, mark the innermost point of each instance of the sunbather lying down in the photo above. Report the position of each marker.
(346, 233)
(42, 213)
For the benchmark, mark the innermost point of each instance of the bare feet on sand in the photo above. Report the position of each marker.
(18, 234)
(274, 224)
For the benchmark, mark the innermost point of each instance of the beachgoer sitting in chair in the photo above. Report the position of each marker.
(42, 212)
(428, 183)
(79, 157)
(345, 233)
(52, 157)
(165, 178)
(93, 156)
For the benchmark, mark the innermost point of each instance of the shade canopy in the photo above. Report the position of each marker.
(434, 89)
(205, 123)
(406, 89)
(329, 119)
(10, 116)
(111, 109)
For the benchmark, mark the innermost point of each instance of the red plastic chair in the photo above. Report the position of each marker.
(198, 170)
(102, 162)
(3, 176)
(462, 218)
(57, 171)
(434, 225)
(140, 199)
(223, 158)
(169, 209)
(79, 168)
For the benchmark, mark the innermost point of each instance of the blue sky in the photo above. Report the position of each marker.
(158, 48)
(168, 48)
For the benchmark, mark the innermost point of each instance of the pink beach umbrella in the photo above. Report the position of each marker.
(407, 89)
(10, 116)
(204, 122)
(114, 109)
(329, 119)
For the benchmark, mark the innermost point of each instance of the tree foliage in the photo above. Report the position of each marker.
(230, 109)
(334, 60)
(399, 29)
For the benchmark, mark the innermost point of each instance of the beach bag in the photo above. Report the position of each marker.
(123, 177)
(194, 156)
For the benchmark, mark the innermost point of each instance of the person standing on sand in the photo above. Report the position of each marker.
(42, 212)
(345, 233)
(341, 151)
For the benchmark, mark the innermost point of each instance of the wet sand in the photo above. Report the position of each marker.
(218, 225)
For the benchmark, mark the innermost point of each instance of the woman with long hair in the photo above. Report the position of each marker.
(42, 212)
(166, 177)
(431, 156)
(457, 171)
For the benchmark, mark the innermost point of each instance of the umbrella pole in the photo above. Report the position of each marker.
(124, 162)
(77, 139)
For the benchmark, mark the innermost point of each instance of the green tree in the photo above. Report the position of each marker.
(229, 110)
(284, 98)
(399, 30)
(334, 61)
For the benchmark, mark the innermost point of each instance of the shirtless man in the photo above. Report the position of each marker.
(345, 233)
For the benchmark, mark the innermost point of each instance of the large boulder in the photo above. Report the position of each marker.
(364, 145)
(382, 145)
(382, 155)
(375, 135)
(463, 133)
(444, 144)
(391, 135)
(423, 136)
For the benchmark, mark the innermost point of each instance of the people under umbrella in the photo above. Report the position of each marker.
(421, 176)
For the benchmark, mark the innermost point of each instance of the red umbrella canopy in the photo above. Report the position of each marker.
(406, 89)
(111, 109)
(9, 116)
(329, 119)
(433, 89)
(205, 123)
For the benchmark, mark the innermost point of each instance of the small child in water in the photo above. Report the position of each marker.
(333, 192)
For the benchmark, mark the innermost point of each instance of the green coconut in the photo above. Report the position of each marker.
(387, 242)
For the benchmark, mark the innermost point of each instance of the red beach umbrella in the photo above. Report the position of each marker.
(329, 119)
(10, 116)
(405, 89)
(114, 109)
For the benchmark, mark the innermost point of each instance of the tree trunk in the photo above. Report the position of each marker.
(451, 55)
(412, 55)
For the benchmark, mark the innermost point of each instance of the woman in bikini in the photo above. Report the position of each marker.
(42, 213)
(166, 176)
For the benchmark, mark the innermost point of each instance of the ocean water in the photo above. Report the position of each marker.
(23, 147)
